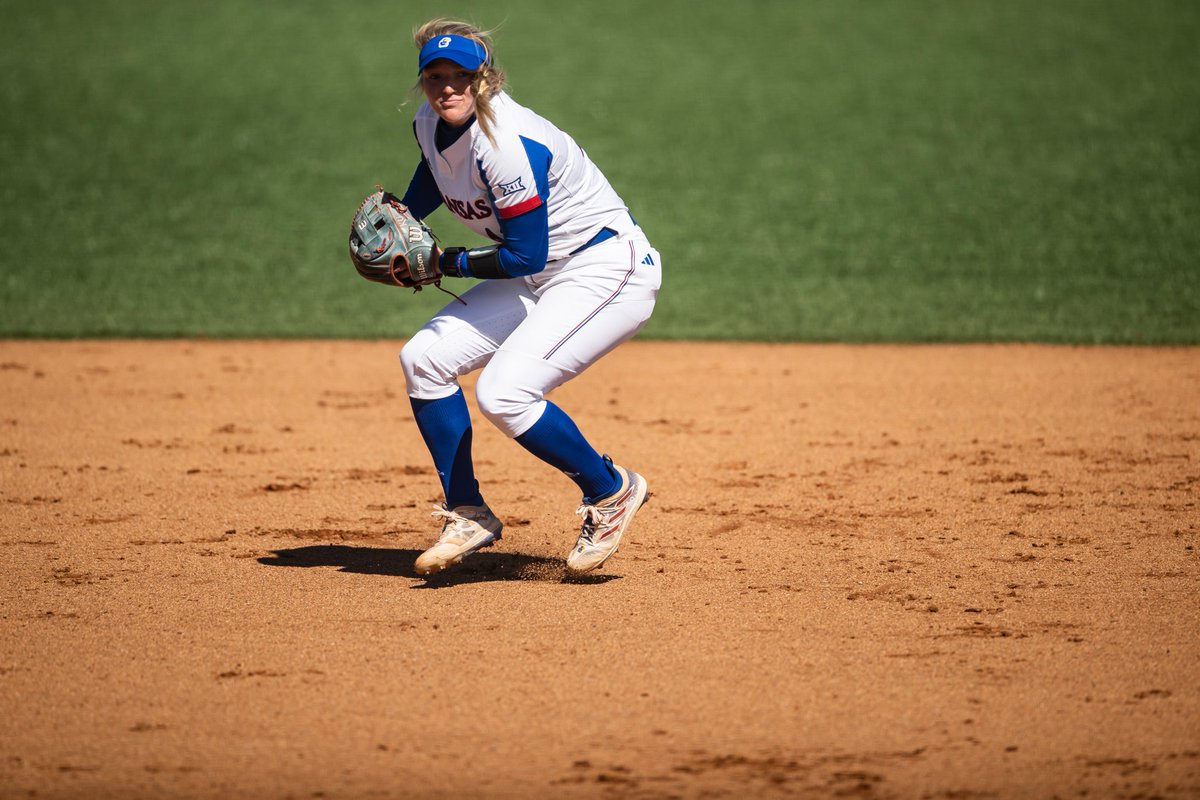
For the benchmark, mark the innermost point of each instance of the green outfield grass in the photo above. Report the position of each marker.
(853, 170)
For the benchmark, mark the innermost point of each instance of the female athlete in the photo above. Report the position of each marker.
(569, 277)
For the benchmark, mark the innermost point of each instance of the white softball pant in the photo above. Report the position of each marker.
(533, 334)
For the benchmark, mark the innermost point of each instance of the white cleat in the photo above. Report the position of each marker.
(465, 530)
(605, 522)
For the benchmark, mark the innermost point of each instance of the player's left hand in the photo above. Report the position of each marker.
(389, 245)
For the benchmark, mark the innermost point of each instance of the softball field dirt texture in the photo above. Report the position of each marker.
(935, 572)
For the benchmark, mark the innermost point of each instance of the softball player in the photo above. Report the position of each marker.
(570, 277)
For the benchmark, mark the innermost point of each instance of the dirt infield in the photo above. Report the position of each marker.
(943, 572)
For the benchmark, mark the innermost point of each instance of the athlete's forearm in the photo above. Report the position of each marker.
(523, 252)
(474, 262)
(526, 242)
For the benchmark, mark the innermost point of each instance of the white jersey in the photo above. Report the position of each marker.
(531, 162)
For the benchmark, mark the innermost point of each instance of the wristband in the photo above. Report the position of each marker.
(478, 262)
(454, 262)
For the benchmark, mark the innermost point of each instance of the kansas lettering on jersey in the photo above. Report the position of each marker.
(480, 209)
(531, 163)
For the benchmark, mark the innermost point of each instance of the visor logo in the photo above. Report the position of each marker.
(443, 43)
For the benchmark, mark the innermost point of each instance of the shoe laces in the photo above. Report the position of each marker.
(593, 516)
(453, 523)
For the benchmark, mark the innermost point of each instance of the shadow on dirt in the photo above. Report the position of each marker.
(479, 568)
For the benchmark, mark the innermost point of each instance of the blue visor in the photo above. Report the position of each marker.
(465, 52)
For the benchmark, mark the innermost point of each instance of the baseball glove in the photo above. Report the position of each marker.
(389, 245)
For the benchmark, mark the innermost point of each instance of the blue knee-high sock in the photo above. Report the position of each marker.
(445, 424)
(555, 439)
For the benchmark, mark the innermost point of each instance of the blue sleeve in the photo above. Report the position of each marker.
(526, 242)
(524, 226)
(423, 196)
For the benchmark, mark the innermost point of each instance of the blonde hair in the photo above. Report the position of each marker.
(488, 81)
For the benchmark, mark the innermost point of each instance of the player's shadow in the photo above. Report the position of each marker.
(481, 567)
